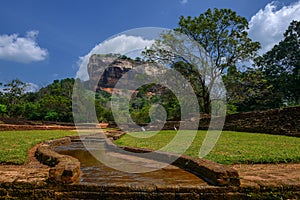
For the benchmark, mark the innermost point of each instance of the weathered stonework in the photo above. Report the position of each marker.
(13, 127)
(285, 121)
(12, 124)
(64, 169)
(130, 192)
(213, 173)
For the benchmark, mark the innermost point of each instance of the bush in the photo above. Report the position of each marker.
(52, 116)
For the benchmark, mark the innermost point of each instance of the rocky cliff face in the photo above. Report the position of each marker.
(106, 70)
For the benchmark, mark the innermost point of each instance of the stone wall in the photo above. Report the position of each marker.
(21, 190)
(12, 127)
(16, 124)
(284, 121)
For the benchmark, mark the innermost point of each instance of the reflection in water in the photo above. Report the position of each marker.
(94, 172)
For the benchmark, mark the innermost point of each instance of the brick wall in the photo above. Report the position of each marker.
(284, 121)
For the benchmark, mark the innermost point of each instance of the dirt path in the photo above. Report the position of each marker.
(269, 174)
(31, 172)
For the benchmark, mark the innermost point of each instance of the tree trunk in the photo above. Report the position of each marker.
(207, 103)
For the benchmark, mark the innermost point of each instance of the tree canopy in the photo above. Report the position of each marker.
(224, 38)
(281, 66)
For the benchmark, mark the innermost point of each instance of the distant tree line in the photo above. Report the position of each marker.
(52, 103)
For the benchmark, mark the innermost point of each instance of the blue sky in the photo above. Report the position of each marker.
(43, 40)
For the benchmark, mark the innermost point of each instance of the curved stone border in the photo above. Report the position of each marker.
(64, 169)
(213, 173)
(114, 134)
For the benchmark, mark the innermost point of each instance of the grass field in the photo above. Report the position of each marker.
(14, 145)
(231, 148)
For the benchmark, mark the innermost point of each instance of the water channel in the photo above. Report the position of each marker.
(94, 172)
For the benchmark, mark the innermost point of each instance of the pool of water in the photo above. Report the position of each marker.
(94, 172)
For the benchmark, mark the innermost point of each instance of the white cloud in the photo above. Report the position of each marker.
(268, 25)
(121, 44)
(183, 1)
(31, 87)
(21, 49)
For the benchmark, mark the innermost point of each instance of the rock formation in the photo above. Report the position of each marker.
(106, 70)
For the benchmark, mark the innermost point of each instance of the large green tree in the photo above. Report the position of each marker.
(249, 90)
(3, 107)
(281, 66)
(13, 93)
(223, 36)
(14, 90)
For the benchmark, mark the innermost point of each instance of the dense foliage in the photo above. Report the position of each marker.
(273, 82)
(53, 102)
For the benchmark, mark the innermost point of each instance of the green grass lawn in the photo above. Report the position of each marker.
(231, 148)
(14, 145)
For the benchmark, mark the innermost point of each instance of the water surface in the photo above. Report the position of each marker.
(94, 172)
